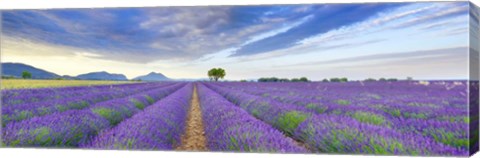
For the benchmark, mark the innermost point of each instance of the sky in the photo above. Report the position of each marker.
(424, 40)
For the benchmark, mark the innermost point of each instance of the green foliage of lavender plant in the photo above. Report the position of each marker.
(150, 99)
(448, 138)
(369, 118)
(343, 102)
(111, 115)
(317, 108)
(138, 104)
(42, 135)
(289, 121)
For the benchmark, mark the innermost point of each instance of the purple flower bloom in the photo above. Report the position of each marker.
(66, 129)
(79, 129)
(28, 110)
(159, 126)
(228, 128)
(411, 115)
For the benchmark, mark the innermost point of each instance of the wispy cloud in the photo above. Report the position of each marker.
(273, 37)
(441, 25)
(439, 13)
(179, 33)
(321, 22)
(388, 57)
(441, 66)
(455, 31)
(188, 33)
(87, 54)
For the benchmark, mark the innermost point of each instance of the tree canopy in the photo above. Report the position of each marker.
(276, 79)
(216, 73)
(26, 74)
(343, 79)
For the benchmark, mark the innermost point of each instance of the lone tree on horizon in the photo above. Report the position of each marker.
(216, 73)
(26, 74)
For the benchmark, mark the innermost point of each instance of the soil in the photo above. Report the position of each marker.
(194, 137)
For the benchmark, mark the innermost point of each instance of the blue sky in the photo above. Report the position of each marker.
(421, 40)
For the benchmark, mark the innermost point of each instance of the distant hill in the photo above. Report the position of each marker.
(102, 75)
(16, 69)
(70, 77)
(152, 76)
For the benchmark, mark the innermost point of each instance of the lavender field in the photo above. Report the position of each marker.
(376, 78)
(401, 118)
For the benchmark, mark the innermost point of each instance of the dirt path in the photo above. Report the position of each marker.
(194, 137)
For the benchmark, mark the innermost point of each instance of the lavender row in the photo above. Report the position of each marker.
(25, 111)
(74, 127)
(158, 127)
(99, 91)
(289, 119)
(342, 134)
(228, 128)
(58, 130)
(436, 111)
(441, 114)
(445, 96)
(24, 96)
(71, 93)
(117, 110)
(444, 124)
(282, 116)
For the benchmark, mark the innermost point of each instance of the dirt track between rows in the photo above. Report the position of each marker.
(194, 136)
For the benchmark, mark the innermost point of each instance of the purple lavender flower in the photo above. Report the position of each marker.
(66, 129)
(37, 131)
(228, 128)
(159, 126)
(436, 114)
(24, 111)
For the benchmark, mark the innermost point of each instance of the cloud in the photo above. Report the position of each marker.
(107, 29)
(12, 46)
(186, 21)
(87, 54)
(455, 31)
(303, 49)
(321, 22)
(400, 15)
(439, 13)
(447, 63)
(184, 34)
(442, 25)
(275, 32)
(350, 45)
(388, 57)
(142, 35)
(444, 66)
(373, 30)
